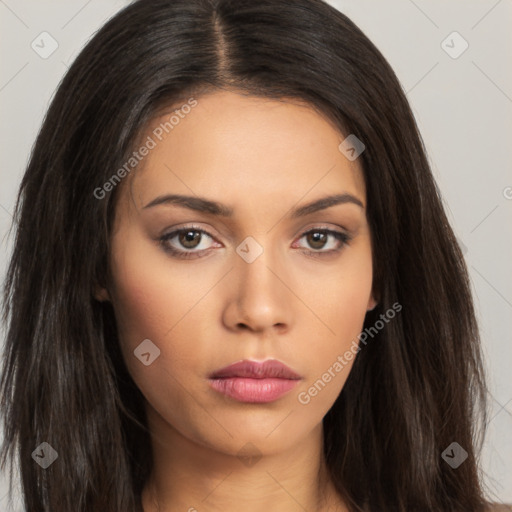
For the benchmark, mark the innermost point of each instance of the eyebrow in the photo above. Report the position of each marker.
(204, 205)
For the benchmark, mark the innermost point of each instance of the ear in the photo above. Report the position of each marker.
(101, 294)
(372, 303)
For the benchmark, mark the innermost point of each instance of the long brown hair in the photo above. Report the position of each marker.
(415, 389)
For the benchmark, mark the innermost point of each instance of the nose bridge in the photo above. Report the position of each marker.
(260, 296)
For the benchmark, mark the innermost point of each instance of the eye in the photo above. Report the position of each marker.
(324, 240)
(186, 242)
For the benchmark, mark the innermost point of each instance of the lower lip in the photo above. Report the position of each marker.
(249, 390)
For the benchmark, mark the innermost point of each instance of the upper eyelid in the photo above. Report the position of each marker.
(304, 231)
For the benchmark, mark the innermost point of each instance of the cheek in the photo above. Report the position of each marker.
(342, 298)
(153, 303)
(142, 300)
(139, 306)
(149, 299)
(341, 303)
(145, 310)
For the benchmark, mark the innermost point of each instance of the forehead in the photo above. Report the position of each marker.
(233, 147)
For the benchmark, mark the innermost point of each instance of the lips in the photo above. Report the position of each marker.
(254, 382)
(256, 370)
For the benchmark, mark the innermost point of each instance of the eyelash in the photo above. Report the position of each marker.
(343, 238)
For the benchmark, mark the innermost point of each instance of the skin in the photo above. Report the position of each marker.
(262, 158)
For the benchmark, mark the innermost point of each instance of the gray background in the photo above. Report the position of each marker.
(463, 107)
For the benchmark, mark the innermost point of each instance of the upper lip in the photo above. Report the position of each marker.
(256, 370)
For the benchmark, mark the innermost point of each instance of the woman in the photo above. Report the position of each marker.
(233, 283)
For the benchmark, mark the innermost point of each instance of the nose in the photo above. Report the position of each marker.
(259, 297)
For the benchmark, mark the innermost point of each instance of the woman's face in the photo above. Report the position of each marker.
(245, 268)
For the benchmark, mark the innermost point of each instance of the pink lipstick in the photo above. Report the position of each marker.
(254, 382)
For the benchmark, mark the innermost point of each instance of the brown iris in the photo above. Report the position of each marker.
(190, 239)
(317, 239)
